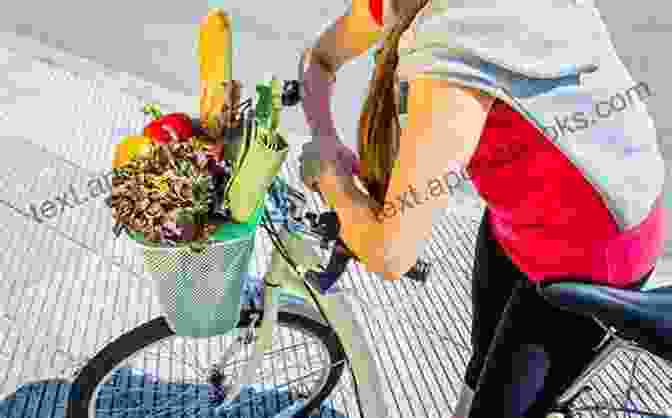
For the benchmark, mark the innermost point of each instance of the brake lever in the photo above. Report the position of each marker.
(329, 225)
(325, 279)
(420, 271)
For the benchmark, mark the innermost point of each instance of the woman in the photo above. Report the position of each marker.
(540, 76)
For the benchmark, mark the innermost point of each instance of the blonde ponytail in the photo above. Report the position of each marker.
(379, 131)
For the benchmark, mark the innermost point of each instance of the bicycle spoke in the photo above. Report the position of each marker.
(169, 408)
(282, 386)
(195, 368)
(295, 370)
(196, 360)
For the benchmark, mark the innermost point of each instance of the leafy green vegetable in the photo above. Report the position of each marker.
(264, 106)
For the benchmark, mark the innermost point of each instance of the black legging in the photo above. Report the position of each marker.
(539, 351)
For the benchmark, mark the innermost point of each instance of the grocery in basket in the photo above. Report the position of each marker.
(181, 179)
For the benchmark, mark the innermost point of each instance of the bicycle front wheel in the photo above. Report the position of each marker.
(150, 371)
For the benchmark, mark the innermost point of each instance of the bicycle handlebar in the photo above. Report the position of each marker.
(291, 93)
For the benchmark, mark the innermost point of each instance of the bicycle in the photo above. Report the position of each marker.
(304, 296)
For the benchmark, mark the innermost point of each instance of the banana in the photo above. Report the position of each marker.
(217, 86)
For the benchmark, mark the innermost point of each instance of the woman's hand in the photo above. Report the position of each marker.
(326, 157)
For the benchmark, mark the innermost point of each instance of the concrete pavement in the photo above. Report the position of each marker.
(137, 52)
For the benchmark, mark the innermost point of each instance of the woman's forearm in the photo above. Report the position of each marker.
(351, 35)
(360, 228)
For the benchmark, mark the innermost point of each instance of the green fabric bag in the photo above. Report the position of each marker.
(259, 160)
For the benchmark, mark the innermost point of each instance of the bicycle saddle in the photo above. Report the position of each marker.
(643, 316)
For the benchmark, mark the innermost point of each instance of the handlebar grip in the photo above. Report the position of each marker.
(419, 271)
(291, 93)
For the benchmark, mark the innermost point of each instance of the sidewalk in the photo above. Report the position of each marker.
(62, 298)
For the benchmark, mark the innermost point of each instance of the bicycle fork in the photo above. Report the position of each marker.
(340, 316)
(262, 341)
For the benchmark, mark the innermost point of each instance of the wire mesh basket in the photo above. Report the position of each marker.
(200, 293)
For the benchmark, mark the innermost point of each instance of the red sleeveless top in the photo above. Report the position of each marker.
(548, 218)
(376, 9)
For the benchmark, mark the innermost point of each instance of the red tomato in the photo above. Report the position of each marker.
(160, 129)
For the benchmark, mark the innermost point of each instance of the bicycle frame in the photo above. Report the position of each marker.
(607, 350)
(282, 281)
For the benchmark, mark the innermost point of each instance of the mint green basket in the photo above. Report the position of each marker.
(200, 293)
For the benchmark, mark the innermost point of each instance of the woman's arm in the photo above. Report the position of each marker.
(443, 129)
(348, 37)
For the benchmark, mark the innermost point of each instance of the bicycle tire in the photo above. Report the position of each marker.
(84, 386)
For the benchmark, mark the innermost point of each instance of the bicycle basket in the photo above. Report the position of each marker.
(200, 293)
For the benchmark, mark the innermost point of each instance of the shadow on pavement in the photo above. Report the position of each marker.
(146, 396)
